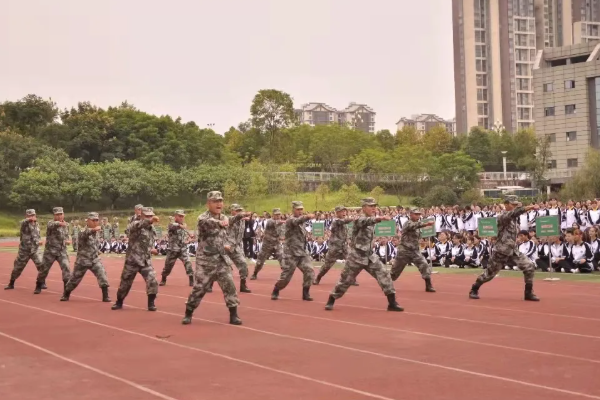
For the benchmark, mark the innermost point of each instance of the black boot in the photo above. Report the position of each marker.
(318, 279)
(392, 304)
(163, 281)
(253, 277)
(355, 283)
(118, 304)
(330, 303)
(474, 293)
(65, 284)
(151, 306)
(275, 294)
(105, 298)
(38, 288)
(306, 294)
(233, 317)
(44, 287)
(428, 286)
(243, 287)
(191, 278)
(11, 285)
(188, 316)
(529, 296)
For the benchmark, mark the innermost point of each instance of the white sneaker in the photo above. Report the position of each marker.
(507, 268)
(575, 271)
(562, 270)
(515, 268)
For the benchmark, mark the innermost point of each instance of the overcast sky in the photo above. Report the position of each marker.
(204, 60)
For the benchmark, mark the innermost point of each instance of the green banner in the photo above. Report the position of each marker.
(488, 227)
(385, 228)
(547, 226)
(428, 231)
(318, 229)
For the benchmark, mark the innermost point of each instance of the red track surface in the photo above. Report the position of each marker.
(443, 346)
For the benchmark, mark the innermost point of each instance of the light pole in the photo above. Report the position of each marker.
(504, 163)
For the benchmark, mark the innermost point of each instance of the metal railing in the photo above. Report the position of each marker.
(383, 178)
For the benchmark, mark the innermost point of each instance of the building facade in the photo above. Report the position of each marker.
(424, 122)
(317, 114)
(566, 22)
(358, 116)
(567, 96)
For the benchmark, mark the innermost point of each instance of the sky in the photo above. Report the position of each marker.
(204, 60)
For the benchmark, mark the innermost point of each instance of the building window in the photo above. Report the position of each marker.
(549, 111)
(552, 164)
(481, 65)
(482, 109)
(571, 163)
(552, 138)
(571, 136)
(570, 109)
(479, 36)
(483, 122)
(481, 80)
(548, 87)
(570, 84)
(480, 50)
(523, 84)
(482, 94)
(523, 99)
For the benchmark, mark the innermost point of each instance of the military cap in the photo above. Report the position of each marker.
(236, 207)
(93, 215)
(139, 207)
(510, 199)
(214, 196)
(276, 211)
(30, 212)
(297, 205)
(148, 211)
(340, 208)
(415, 210)
(57, 210)
(180, 212)
(369, 201)
(115, 218)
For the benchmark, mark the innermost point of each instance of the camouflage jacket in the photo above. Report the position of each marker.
(114, 230)
(339, 234)
(411, 235)
(212, 238)
(134, 217)
(87, 249)
(177, 236)
(506, 243)
(361, 250)
(29, 236)
(56, 238)
(140, 242)
(295, 237)
(273, 233)
(235, 231)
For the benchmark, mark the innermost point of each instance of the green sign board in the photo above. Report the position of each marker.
(318, 229)
(158, 232)
(428, 231)
(385, 228)
(547, 226)
(488, 227)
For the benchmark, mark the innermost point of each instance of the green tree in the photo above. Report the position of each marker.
(408, 136)
(385, 139)
(437, 140)
(377, 192)
(456, 170)
(478, 145)
(272, 110)
(36, 188)
(231, 191)
(586, 182)
(27, 115)
(321, 194)
(351, 195)
(122, 180)
(441, 195)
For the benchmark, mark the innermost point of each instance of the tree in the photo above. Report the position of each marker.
(321, 193)
(456, 170)
(231, 191)
(437, 140)
(377, 192)
(478, 145)
(586, 182)
(351, 194)
(122, 179)
(272, 111)
(385, 139)
(538, 166)
(440, 195)
(36, 188)
(28, 115)
(407, 136)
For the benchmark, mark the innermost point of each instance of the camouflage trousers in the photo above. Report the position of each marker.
(74, 241)
(290, 263)
(239, 260)
(405, 257)
(330, 259)
(47, 262)
(206, 274)
(265, 252)
(79, 271)
(499, 261)
(173, 256)
(128, 276)
(22, 259)
(351, 270)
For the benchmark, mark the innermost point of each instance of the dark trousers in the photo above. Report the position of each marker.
(249, 247)
(569, 266)
(458, 260)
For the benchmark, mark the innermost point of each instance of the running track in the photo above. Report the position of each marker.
(443, 346)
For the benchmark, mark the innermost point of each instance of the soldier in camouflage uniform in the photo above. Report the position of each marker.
(136, 216)
(88, 259)
(75, 234)
(235, 233)
(212, 260)
(294, 253)
(177, 248)
(114, 228)
(138, 259)
(409, 250)
(57, 234)
(29, 236)
(361, 257)
(506, 251)
(105, 226)
(271, 245)
(337, 242)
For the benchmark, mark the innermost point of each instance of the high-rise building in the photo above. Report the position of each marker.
(424, 122)
(494, 51)
(566, 22)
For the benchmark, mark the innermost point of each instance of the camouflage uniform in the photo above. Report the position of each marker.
(177, 250)
(138, 259)
(87, 259)
(75, 235)
(235, 234)
(360, 256)
(212, 261)
(114, 229)
(55, 250)
(506, 253)
(134, 217)
(271, 245)
(29, 236)
(295, 255)
(337, 243)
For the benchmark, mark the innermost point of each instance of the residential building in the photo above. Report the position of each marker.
(359, 116)
(494, 52)
(424, 122)
(566, 22)
(567, 97)
(317, 114)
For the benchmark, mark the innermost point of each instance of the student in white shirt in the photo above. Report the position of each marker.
(581, 257)
(591, 237)
(455, 258)
(471, 257)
